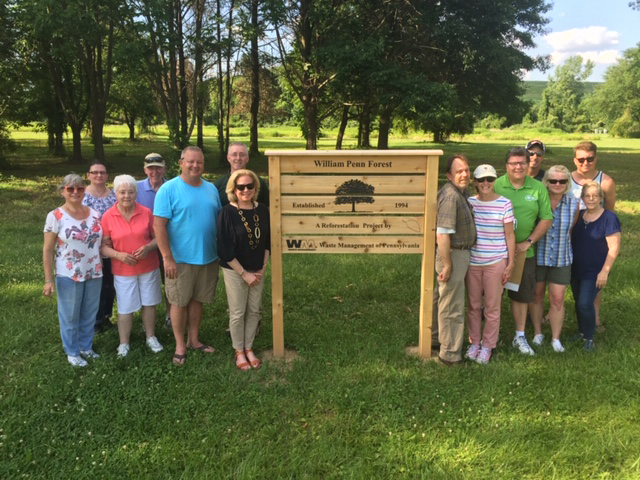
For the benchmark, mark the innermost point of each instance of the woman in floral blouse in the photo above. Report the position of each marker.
(101, 198)
(72, 235)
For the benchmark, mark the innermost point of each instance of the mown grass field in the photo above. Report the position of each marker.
(353, 404)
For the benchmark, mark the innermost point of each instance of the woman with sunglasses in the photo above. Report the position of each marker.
(101, 198)
(554, 256)
(244, 244)
(596, 243)
(72, 238)
(492, 261)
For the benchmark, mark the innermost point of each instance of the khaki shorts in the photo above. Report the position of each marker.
(194, 282)
(557, 275)
(528, 283)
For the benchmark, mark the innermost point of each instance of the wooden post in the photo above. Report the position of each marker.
(276, 257)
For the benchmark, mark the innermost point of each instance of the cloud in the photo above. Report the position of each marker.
(605, 57)
(583, 39)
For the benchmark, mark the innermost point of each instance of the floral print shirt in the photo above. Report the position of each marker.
(77, 245)
(100, 204)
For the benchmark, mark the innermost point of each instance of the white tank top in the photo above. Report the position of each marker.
(576, 189)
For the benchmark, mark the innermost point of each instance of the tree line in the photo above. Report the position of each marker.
(433, 66)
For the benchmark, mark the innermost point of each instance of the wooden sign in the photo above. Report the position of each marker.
(353, 202)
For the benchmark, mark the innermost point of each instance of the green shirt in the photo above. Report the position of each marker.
(530, 204)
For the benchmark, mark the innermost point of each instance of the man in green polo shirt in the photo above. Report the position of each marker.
(532, 211)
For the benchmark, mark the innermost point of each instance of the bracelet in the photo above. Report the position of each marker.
(243, 272)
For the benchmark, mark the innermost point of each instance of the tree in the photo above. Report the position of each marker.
(616, 103)
(354, 191)
(561, 99)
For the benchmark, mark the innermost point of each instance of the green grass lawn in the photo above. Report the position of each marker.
(353, 404)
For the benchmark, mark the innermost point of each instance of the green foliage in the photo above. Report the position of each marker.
(561, 105)
(616, 103)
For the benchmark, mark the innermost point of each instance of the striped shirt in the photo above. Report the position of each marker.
(554, 249)
(490, 217)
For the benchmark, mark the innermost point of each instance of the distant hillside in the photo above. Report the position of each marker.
(534, 90)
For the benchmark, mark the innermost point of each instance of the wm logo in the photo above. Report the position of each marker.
(302, 245)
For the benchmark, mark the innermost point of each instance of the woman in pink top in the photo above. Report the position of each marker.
(492, 260)
(130, 242)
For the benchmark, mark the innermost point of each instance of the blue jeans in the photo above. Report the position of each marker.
(584, 294)
(77, 307)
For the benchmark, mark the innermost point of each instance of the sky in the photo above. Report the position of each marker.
(599, 30)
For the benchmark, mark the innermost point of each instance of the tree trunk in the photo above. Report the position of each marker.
(343, 125)
(131, 123)
(384, 128)
(222, 159)
(77, 143)
(255, 82)
(364, 134)
(311, 120)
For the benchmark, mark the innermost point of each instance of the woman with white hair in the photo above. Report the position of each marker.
(555, 256)
(72, 237)
(130, 242)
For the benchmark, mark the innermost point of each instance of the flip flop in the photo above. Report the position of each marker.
(244, 366)
(178, 359)
(254, 363)
(204, 348)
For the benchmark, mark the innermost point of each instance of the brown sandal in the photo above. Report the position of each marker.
(254, 363)
(244, 366)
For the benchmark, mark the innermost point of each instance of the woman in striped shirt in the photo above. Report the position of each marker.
(554, 256)
(492, 260)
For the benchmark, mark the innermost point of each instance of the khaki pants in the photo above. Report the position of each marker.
(451, 306)
(245, 309)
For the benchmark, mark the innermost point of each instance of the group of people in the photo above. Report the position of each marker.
(556, 227)
(124, 243)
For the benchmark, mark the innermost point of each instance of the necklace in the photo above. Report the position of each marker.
(256, 228)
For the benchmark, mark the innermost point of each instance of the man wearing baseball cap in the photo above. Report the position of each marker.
(155, 168)
(537, 151)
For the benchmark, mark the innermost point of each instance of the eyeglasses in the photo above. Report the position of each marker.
(554, 181)
(517, 164)
(586, 159)
(486, 179)
(248, 186)
(538, 154)
(98, 172)
(591, 197)
(74, 189)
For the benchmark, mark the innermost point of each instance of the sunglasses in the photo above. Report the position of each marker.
(74, 189)
(538, 154)
(248, 186)
(553, 181)
(486, 179)
(153, 160)
(586, 159)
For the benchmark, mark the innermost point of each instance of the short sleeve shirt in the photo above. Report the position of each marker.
(589, 241)
(99, 204)
(191, 213)
(454, 212)
(77, 246)
(130, 236)
(490, 217)
(146, 194)
(530, 204)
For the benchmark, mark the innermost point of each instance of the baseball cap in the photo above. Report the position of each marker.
(154, 160)
(484, 171)
(536, 143)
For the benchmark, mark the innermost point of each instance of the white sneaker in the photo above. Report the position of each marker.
(123, 350)
(154, 344)
(538, 339)
(89, 353)
(557, 346)
(484, 356)
(77, 361)
(521, 344)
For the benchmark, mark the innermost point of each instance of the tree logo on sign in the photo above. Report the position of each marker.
(354, 191)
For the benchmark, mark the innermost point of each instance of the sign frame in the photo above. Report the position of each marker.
(317, 172)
